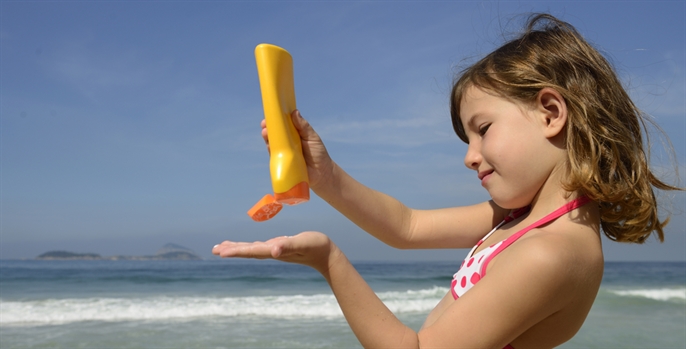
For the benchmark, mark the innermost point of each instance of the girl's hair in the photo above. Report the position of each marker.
(606, 159)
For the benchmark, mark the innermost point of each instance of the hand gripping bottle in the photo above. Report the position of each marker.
(287, 165)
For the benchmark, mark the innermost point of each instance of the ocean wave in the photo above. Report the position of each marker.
(661, 294)
(63, 311)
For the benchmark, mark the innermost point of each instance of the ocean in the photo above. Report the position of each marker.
(266, 304)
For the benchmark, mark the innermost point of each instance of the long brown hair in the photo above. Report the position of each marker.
(606, 158)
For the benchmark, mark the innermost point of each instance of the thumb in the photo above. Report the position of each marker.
(276, 251)
(279, 246)
(304, 128)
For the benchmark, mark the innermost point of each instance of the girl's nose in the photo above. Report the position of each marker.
(473, 157)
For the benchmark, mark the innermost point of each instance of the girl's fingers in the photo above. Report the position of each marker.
(263, 125)
(265, 137)
(258, 249)
(226, 247)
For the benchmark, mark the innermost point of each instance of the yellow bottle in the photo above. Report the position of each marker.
(287, 165)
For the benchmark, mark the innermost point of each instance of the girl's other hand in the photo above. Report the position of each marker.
(319, 163)
(310, 248)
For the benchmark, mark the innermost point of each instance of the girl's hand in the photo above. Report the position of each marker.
(310, 248)
(319, 163)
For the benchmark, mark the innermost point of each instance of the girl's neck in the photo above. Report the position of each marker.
(551, 196)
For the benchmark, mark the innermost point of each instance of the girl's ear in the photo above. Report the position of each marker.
(553, 111)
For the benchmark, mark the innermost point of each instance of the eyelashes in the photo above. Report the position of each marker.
(482, 130)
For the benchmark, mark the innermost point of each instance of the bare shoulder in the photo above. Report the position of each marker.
(564, 241)
(546, 287)
(543, 285)
(566, 255)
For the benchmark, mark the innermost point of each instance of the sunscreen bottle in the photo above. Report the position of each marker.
(287, 165)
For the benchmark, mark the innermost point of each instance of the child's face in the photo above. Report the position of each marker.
(507, 147)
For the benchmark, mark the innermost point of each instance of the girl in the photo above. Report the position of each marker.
(556, 142)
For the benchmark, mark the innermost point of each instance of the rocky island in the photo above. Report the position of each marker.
(167, 252)
(68, 255)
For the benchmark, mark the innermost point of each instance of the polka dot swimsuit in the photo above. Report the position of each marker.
(473, 268)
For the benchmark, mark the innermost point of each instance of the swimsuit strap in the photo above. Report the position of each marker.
(568, 207)
(514, 214)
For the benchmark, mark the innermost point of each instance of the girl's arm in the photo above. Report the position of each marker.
(374, 325)
(381, 215)
(397, 225)
(513, 298)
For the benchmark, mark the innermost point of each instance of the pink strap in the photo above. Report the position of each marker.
(568, 207)
(516, 213)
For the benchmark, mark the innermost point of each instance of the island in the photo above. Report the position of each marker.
(167, 252)
(68, 255)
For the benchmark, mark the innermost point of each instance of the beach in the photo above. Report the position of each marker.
(265, 304)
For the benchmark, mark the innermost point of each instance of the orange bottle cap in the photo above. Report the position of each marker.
(265, 209)
(298, 194)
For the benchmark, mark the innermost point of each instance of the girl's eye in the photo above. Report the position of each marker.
(482, 131)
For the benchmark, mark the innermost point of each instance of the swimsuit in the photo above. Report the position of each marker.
(473, 268)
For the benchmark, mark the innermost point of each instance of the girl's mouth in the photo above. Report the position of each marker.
(483, 176)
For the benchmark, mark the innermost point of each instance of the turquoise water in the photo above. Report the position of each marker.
(263, 304)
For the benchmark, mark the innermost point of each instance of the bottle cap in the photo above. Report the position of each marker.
(265, 209)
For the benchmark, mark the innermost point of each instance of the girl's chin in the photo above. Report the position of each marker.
(507, 202)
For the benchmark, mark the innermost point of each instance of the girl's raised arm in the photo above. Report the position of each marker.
(383, 216)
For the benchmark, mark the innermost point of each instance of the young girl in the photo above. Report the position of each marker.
(556, 142)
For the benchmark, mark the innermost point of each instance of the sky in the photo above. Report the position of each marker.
(126, 125)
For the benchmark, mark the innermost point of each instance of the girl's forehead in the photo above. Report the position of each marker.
(475, 100)
(474, 93)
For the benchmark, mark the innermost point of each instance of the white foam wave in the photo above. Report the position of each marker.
(662, 294)
(62, 311)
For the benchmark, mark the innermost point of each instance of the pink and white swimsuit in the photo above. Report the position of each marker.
(473, 268)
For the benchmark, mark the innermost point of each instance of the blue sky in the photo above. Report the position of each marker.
(128, 125)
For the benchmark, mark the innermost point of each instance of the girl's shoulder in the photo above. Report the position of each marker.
(569, 246)
(561, 265)
(555, 270)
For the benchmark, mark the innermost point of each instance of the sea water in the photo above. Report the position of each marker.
(266, 304)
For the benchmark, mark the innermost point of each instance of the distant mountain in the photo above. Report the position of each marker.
(68, 255)
(177, 252)
(172, 248)
(167, 252)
